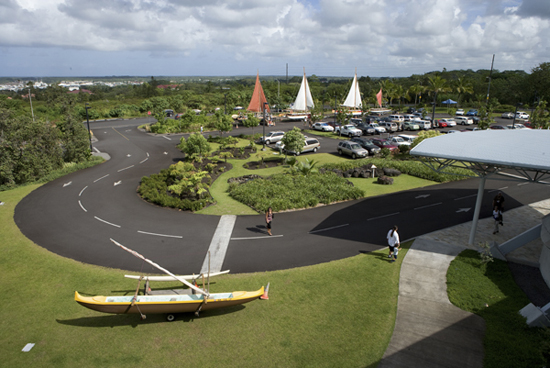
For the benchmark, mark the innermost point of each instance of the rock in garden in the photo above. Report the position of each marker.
(385, 180)
(391, 172)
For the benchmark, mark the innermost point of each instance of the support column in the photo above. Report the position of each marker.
(477, 210)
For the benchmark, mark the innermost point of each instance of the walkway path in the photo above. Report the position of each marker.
(429, 330)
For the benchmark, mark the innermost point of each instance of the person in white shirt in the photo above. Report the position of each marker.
(393, 243)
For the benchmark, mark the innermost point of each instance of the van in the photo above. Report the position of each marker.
(408, 138)
(399, 118)
(390, 126)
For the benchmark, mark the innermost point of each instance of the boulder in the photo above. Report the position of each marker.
(385, 180)
(391, 172)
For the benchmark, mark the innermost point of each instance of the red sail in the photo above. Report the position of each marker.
(258, 98)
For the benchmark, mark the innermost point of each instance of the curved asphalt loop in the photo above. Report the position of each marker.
(76, 215)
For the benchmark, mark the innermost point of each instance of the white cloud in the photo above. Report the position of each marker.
(380, 37)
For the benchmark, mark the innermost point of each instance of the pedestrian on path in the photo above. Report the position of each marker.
(268, 220)
(498, 202)
(393, 243)
(201, 129)
(497, 216)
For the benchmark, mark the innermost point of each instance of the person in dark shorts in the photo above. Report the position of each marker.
(498, 202)
(268, 220)
(393, 243)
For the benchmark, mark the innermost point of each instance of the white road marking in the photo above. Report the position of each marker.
(83, 189)
(144, 160)
(422, 196)
(128, 155)
(108, 223)
(328, 228)
(379, 217)
(498, 190)
(67, 184)
(165, 137)
(167, 236)
(219, 244)
(470, 196)
(463, 210)
(103, 177)
(126, 168)
(117, 183)
(258, 237)
(523, 183)
(95, 149)
(430, 205)
(81, 206)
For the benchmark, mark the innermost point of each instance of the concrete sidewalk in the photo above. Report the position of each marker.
(429, 331)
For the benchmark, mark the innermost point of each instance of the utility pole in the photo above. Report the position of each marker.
(489, 86)
(30, 100)
(88, 120)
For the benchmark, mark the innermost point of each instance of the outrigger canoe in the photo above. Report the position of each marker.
(152, 304)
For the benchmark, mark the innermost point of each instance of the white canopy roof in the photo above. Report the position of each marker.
(527, 149)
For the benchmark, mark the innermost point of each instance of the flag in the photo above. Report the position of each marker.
(379, 97)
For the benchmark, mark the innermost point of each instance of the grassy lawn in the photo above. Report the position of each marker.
(225, 205)
(337, 314)
(508, 342)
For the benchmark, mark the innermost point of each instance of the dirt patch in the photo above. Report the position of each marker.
(253, 165)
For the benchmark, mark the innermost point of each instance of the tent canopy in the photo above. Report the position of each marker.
(449, 102)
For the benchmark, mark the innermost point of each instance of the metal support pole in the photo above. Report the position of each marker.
(479, 199)
(265, 122)
(88, 121)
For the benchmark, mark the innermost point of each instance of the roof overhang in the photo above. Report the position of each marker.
(487, 152)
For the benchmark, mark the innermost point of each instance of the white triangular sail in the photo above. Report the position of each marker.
(304, 100)
(354, 96)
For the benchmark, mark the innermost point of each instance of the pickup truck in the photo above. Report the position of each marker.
(349, 130)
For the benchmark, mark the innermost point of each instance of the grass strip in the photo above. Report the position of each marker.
(490, 291)
(336, 314)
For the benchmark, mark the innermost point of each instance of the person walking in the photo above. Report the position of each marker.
(498, 202)
(268, 220)
(393, 243)
(497, 216)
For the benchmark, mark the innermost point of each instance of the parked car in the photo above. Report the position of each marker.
(411, 125)
(398, 141)
(355, 121)
(453, 131)
(528, 125)
(378, 128)
(463, 120)
(272, 137)
(349, 130)
(389, 126)
(324, 127)
(384, 143)
(351, 149)
(368, 145)
(497, 127)
(410, 110)
(408, 138)
(366, 129)
(522, 115)
(507, 115)
(459, 112)
(450, 122)
(311, 145)
(409, 117)
(424, 124)
(516, 126)
(400, 118)
(472, 112)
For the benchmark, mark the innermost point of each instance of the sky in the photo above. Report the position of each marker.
(378, 38)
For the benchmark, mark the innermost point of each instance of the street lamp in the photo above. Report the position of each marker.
(265, 122)
(515, 114)
(88, 121)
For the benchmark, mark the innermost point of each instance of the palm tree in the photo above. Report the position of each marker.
(416, 90)
(436, 85)
(461, 86)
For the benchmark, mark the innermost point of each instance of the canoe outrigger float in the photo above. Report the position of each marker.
(194, 299)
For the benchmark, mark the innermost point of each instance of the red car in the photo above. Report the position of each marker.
(384, 143)
(442, 124)
(527, 124)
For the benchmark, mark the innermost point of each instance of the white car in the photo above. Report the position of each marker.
(517, 126)
(423, 124)
(398, 141)
(463, 120)
(459, 112)
(349, 130)
(378, 128)
(522, 115)
(272, 137)
(408, 138)
(508, 115)
(323, 127)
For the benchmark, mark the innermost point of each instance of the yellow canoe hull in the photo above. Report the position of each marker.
(152, 304)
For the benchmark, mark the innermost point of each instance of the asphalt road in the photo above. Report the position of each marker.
(75, 216)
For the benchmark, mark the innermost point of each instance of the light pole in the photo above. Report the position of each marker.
(265, 122)
(30, 100)
(88, 121)
(225, 103)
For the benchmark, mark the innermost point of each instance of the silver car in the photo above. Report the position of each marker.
(352, 149)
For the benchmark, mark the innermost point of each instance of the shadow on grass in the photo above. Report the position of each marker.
(134, 320)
